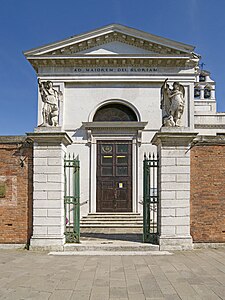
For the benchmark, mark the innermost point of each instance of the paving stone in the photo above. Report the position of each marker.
(171, 297)
(66, 284)
(18, 293)
(219, 291)
(198, 274)
(118, 292)
(101, 282)
(83, 284)
(98, 297)
(204, 291)
(117, 283)
(153, 294)
(81, 295)
(184, 289)
(100, 290)
(137, 297)
(40, 296)
(134, 288)
(113, 298)
(87, 275)
(61, 294)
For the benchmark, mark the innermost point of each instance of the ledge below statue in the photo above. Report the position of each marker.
(48, 129)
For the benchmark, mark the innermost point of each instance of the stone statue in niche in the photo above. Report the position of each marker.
(172, 104)
(50, 99)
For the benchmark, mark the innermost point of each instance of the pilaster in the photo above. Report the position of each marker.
(48, 189)
(173, 145)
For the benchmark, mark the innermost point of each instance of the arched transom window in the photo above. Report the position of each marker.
(115, 113)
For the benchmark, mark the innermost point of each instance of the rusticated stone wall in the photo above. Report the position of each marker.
(208, 190)
(16, 181)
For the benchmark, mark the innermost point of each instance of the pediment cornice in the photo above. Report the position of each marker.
(112, 33)
(114, 37)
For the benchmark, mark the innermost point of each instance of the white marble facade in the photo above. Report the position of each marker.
(119, 65)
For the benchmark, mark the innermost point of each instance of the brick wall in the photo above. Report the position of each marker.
(208, 191)
(15, 190)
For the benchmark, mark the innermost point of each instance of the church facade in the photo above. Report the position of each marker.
(110, 96)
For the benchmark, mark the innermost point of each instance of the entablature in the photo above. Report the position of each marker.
(110, 61)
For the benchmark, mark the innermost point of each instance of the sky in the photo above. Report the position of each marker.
(27, 24)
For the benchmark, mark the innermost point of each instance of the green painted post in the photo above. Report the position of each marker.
(150, 199)
(145, 188)
(77, 199)
(72, 199)
(65, 185)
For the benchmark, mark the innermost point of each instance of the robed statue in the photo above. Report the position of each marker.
(172, 104)
(50, 99)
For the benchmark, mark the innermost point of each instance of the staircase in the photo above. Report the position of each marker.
(112, 220)
(111, 234)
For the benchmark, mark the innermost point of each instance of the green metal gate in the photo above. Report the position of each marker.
(72, 199)
(151, 199)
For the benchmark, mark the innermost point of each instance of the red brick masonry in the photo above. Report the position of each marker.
(16, 179)
(208, 190)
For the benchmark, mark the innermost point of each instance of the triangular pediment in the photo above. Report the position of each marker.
(115, 47)
(113, 39)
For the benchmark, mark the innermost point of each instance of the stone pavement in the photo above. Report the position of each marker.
(111, 234)
(197, 274)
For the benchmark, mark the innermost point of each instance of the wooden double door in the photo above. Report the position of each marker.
(114, 176)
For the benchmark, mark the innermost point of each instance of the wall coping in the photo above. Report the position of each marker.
(210, 140)
(12, 139)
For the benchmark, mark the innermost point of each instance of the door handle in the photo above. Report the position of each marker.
(115, 194)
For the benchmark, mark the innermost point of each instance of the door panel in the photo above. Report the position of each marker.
(114, 175)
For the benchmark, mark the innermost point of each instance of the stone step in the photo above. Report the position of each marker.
(112, 220)
(94, 220)
(111, 225)
(119, 220)
(110, 246)
(111, 253)
(113, 214)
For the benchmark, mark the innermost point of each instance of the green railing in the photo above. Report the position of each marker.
(72, 199)
(150, 198)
